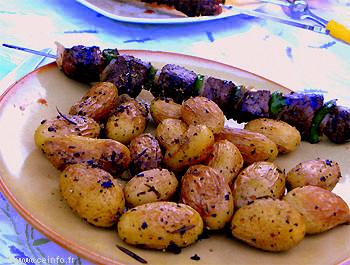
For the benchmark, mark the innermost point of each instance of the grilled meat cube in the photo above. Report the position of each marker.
(337, 125)
(82, 63)
(220, 91)
(175, 82)
(300, 110)
(128, 74)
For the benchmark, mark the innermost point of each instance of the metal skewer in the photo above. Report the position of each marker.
(30, 51)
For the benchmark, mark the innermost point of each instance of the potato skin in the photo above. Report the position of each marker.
(260, 179)
(159, 225)
(164, 108)
(209, 194)
(286, 137)
(323, 173)
(201, 110)
(194, 147)
(321, 208)
(129, 121)
(98, 102)
(253, 146)
(226, 159)
(93, 194)
(110, 155)
(268, 224)
(169, 132)
(150, 186)
(59, 126)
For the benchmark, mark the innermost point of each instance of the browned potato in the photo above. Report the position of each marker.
(93, 194)
(286, 137)
(323, 173)
(169, 132)
(253, 146)
(164, 108)
(260, 179)
(129, 121)
(269, 224)
(209, 194)
(194, 147)
(226, 159)
(160, 225)
(107, 154)
(67, 125)
(145, 153)
(201, 110)
(321, 208)
(150, 186)
(97, 102)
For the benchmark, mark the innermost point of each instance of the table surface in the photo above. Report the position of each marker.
(299, 59)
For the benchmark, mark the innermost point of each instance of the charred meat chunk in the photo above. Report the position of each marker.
(128, 74)
(175, 82)
(84, 64)
(300, 110)
(337, 126)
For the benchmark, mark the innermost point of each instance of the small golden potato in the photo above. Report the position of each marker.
(320, 208)
(286, 137)
(169, 132)
(260, 179)
(226, 159)
(194, 147)
(107, 154)
(97, 102)
(145, 153)
(67, 125)
(201, 110)
(164, 108)
(150, 186)
(323, 173)
(159, 225)
(209, 194)
(268, 224)
(93, 194)
(129, 121)
(253, 146)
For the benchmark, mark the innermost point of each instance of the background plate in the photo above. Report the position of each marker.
(30, 182)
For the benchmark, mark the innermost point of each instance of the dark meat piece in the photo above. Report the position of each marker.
(175, 82)
(220, 91)
(128, 74)
(300, 110)
(84, 64)
(192, 8)
(337, 128)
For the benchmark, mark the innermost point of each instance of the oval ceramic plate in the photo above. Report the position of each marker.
(137, 12)
(30, 182)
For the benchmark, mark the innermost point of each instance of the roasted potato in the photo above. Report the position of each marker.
(169, 132)
(66, 125)
(150, 186)
(323, 173)
(268, 224)
(194, 147)
(201, 110)
(160, 225)
(164, 108)
(209, 194)
(97, 102)
(226, 159)
(260, 179)
(110, 155)
(253, 146)
(286, 137)
(129, 121)
(320, 208)
(93, 194)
